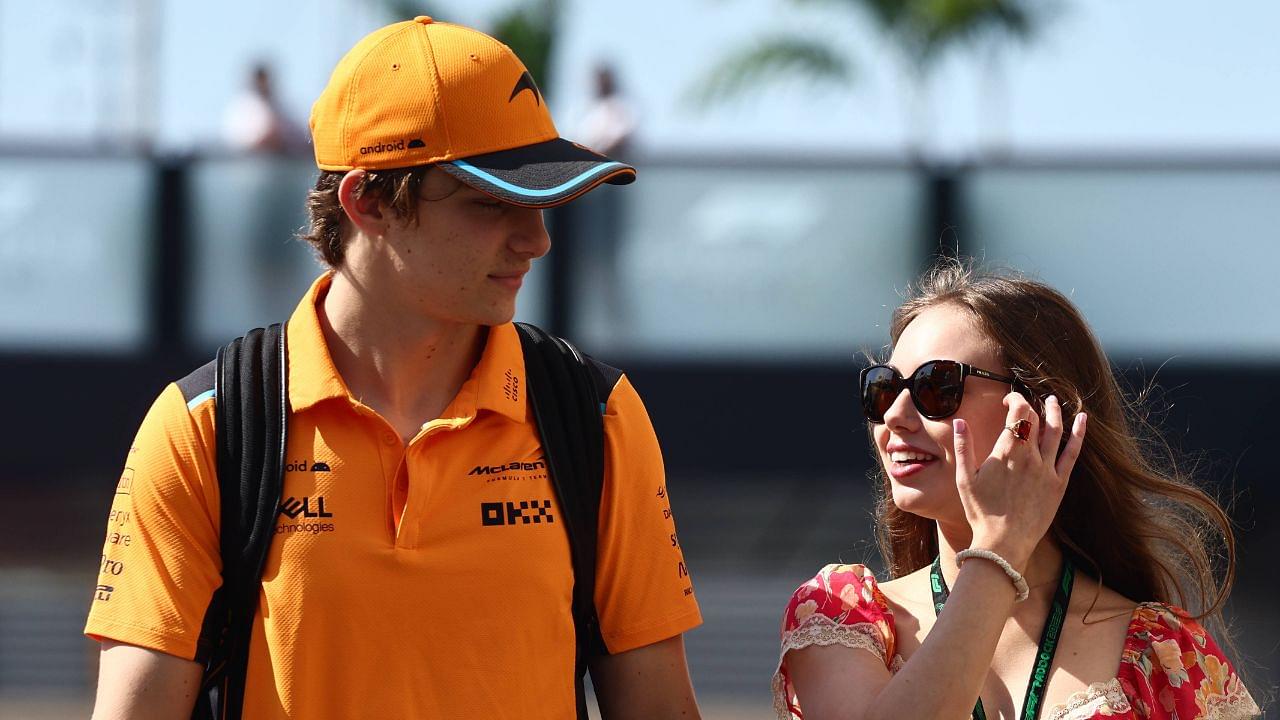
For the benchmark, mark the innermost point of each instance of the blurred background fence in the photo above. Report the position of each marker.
(739, 295)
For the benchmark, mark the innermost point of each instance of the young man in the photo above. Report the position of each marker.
(388, 591)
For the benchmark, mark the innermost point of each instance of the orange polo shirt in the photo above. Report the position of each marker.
(424, 580)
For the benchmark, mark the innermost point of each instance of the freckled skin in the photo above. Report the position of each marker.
(446, 260)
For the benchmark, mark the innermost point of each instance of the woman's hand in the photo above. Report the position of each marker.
(1011, 498)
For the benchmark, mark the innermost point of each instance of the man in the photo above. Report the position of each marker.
(389, 590)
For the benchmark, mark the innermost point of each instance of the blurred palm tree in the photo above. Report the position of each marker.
(922, 31)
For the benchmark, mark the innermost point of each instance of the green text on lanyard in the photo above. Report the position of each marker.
(1039, 682)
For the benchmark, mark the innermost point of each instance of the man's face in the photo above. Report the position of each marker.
(466, 257)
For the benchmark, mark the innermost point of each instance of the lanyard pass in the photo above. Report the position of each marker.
(1038, 683)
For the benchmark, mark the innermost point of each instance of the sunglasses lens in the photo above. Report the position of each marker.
(880, 387)
(939, 387)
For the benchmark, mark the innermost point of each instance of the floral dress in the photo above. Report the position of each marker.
(1170, 669)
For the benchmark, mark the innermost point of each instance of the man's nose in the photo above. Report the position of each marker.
(529, 236)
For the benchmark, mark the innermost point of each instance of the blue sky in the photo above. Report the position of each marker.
(1106, 76)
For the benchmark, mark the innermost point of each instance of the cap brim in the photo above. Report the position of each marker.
(542, 175)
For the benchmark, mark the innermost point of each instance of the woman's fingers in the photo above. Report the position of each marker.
(966, 463)
(1051, 433)
(1019, 410)
(1071, 453)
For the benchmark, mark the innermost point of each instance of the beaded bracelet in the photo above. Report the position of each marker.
(1019, 582)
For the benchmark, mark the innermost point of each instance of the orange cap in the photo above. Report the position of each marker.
(422, 92)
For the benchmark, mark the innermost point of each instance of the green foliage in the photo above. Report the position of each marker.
(923, 31)
(926, 29)
(769, 57)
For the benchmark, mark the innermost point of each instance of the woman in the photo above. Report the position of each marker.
(1017, 495)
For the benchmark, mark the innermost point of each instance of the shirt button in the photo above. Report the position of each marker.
(388, 438)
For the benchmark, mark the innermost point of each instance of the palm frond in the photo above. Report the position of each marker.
(770, 59)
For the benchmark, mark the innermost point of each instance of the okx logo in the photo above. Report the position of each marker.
(512, 513)
(307, 507)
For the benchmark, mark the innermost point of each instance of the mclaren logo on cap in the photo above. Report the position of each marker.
(526, 83)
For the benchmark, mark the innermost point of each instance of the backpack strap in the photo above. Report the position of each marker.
(567, 391)
(251, 391)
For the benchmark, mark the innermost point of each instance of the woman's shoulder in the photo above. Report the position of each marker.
(838, 592)
(1172, 667)
(841, 604)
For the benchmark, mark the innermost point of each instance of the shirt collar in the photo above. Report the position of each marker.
(499, 376)
(497, 383)
(312, 375)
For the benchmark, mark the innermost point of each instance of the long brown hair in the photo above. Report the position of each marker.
(1130, 515)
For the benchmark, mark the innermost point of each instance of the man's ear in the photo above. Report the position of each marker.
(364, 211)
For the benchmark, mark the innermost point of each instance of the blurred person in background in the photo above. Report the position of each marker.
(257, 129)
(608, 127)
(254, 121)
(1017, 493)
(388, 591)
(609, 123)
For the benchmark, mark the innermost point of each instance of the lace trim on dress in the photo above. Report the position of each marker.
(1236, 704)
(1086, 703)
(821, 630)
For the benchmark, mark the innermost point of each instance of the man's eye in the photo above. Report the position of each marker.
(490, 204)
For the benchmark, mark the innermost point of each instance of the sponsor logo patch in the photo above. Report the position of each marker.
(513, 470)
(526, 83)
(524, 512)
(305, 466)
(309, 512)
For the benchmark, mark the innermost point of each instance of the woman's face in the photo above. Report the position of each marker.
(917, 453)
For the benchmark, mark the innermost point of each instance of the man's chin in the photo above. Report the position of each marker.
(496, 317)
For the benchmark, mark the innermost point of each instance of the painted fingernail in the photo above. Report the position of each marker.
(960, 426)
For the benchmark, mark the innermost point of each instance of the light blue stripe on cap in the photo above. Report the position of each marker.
(528, 192)
(206, 395)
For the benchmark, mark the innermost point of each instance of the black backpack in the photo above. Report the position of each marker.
(567, 391)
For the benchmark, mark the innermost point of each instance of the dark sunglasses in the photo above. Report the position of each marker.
(937, 387)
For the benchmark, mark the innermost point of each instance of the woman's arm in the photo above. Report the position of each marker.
(945, 673)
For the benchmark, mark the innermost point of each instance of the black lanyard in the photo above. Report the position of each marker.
(1039, 682)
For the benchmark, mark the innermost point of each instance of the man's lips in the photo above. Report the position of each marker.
(512, 281)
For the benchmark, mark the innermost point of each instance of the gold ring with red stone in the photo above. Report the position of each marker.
(1020, 429)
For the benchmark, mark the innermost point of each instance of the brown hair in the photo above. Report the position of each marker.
(399, 189)
(1130, 516)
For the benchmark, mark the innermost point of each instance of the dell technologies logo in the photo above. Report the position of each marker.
(306, 507)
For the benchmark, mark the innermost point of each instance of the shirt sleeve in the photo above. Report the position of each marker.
(160, 560)
(643, 590)
(1172, 668)
(841, 605)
